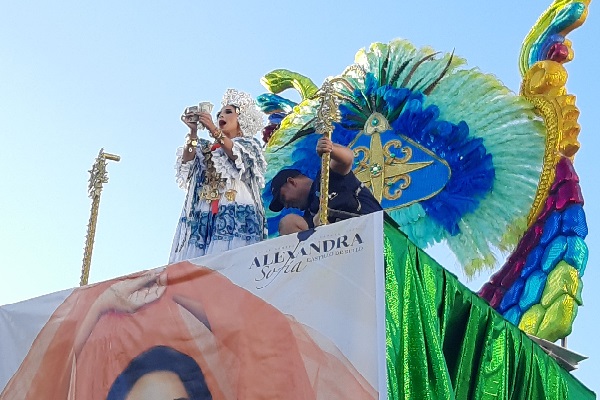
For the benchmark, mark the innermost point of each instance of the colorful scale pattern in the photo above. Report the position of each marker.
(539, 287)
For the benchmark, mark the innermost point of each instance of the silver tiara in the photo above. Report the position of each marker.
(250, 117)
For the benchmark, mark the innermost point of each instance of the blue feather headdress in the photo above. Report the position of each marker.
(451, 154)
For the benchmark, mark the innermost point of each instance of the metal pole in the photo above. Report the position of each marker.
(98, 176)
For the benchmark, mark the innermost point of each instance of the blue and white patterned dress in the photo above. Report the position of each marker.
(236, 223)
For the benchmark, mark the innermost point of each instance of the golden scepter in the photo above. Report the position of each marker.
(326, 115)
(98, 176)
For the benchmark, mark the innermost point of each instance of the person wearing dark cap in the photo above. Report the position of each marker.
(348, 197)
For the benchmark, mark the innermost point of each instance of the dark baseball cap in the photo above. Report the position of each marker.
(278, 181)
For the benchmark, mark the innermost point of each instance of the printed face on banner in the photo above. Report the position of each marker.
(158, 386)
(270, 320)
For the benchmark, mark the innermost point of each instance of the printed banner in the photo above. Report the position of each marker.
(296, 317)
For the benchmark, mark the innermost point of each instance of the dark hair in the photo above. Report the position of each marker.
(161, 358)
(277, 182)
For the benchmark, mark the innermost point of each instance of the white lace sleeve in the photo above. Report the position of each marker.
(249, 165)
(184, 170)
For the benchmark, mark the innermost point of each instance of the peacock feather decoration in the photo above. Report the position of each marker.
(454, 156)
(430, 140)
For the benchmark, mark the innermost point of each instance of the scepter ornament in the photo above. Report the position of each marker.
(98, 177)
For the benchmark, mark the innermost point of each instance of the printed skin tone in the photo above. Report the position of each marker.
(160, 385)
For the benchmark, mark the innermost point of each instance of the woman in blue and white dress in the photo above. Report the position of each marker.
(223, 208)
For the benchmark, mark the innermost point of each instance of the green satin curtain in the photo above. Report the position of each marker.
(444, 342)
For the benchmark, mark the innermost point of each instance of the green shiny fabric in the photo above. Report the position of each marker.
(444, 342)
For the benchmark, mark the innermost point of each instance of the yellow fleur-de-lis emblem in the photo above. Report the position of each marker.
(380, 168)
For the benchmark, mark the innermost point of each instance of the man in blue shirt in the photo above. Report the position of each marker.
(348, 197)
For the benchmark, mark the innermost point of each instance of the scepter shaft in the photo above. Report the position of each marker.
(326, 115)
(98, 177)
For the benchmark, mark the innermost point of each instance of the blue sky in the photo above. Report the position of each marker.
(79, 76)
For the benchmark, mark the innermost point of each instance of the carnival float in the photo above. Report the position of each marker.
(454, 157)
